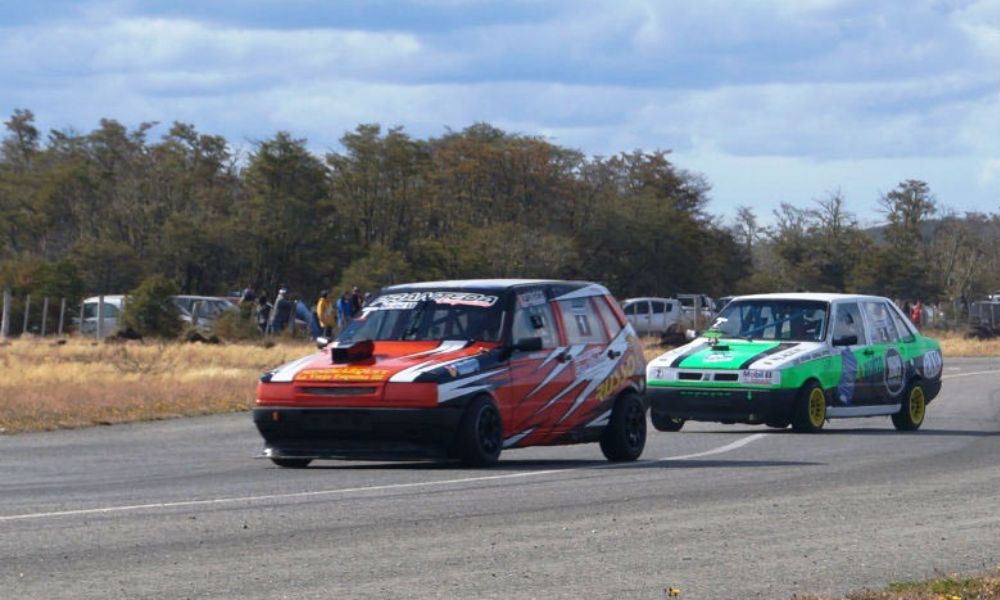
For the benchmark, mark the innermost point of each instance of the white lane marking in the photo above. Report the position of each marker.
(733, 446)
(375, 488)
(952, 376)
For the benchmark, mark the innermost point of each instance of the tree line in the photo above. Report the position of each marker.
(99, 212)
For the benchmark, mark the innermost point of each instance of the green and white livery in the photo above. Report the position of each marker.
(798, 359)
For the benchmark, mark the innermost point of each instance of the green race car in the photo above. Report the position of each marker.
(798, 359)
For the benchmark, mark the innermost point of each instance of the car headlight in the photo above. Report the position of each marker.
(760, 377)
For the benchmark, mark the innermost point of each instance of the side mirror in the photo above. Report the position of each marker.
(531, 344)
(322, 342)
(846, 340)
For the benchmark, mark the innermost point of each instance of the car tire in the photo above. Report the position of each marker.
(665, 423)
(810, 409)
(292, 463)
(913, 408)
(625, 435)
(777, 424)
(480, 434)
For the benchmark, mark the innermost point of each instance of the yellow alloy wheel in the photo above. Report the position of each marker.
(918, 405)
(817, 407)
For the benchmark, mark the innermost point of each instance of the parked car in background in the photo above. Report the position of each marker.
(799, 359)
(705, 314)
(206, 308)
(655, 316)
(113, 305)
(462, 370)
(202, 311)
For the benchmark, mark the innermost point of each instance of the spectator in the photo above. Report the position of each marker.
(916, 313)
(356, 302)
(366, 298)
(326, 312)
(282, 311)
(247, 296)
(344, 314)
(263, 313)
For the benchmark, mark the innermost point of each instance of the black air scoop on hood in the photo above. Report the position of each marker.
(352, 352)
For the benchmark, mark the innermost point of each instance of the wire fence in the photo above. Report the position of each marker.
(33, 315)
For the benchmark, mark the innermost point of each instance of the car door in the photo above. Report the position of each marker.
(587, 337)
(658, 316)
(643, 318)
(535, 377)
(853, 388)
(888, 373)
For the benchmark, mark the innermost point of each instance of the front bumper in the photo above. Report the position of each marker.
(358, 433)
(741, 405)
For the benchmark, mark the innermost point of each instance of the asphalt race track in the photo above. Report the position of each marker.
(179, 509)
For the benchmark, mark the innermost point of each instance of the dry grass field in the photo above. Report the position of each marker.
(953, 587)
(45, 385)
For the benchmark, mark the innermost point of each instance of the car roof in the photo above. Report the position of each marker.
(627, 300)
(482, 284)
(819, 297)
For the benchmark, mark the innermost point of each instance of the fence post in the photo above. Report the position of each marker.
(62, 315)
(100, 317)
(45, 313)
(5, 320)
(27, 311)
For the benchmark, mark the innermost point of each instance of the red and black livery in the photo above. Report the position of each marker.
(463, 370)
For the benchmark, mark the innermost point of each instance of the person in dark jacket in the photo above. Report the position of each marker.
(263, 312)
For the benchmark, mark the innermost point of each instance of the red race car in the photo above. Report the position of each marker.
(462, 370)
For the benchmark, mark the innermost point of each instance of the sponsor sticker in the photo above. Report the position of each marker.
(532, 298)
(895, 378)
(610, 385)
(365, 374)
(717, 357)
(408, 300)
(932, 364)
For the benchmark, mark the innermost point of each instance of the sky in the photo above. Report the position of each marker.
(770, 100)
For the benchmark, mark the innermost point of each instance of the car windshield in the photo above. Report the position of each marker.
(778, 319)
(428, 315)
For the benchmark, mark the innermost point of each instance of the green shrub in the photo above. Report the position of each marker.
(236, 325)
(150, 311)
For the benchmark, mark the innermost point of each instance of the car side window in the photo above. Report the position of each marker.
(582, 323)
(882, 328)
(642, 308)
(905, 332)
(610, 320)
(659, 307)
(535, 320)
(849, 322)
(629, 310)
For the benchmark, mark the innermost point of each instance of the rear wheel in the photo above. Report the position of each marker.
(665, 423)
(810, 409)
(625, 436)
(480, 435)
(911, 414)
(292, 463)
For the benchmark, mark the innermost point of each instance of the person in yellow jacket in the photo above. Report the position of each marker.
(326, 311)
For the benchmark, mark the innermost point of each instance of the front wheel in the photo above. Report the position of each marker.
(665, 423)
(810, 409)
(911, 414)
(480, 435)
(625, 436)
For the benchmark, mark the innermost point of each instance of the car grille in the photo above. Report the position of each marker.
(338, 391)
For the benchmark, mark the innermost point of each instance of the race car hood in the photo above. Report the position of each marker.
(737, 354)
(389, 361)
